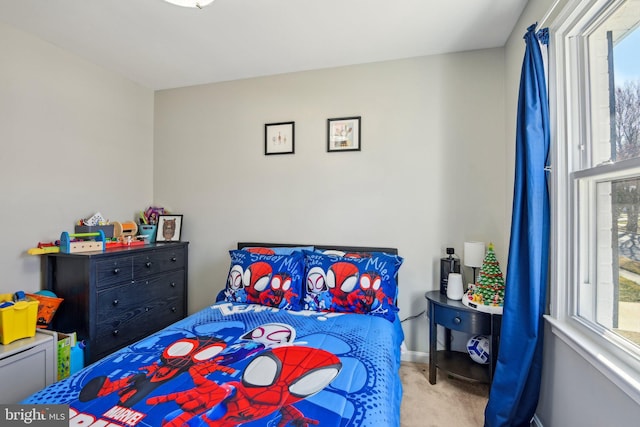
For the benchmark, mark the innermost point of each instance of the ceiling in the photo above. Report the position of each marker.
(160, 46)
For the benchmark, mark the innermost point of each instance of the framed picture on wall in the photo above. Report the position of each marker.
(169, 228)
(343, 134)
(279, 138)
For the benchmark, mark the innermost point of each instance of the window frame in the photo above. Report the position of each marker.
(570, 121)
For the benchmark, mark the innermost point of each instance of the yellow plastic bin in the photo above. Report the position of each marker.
(18, 320)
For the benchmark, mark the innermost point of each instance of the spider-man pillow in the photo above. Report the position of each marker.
(364, 283)
(272, 280)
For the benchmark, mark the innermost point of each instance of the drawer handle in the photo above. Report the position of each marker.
(115, 302)
(173, 309)
(174, 259)
(457, 320)
(146, 309)
(115, 332)
(116, 270)
(173, 284)
(148, 264)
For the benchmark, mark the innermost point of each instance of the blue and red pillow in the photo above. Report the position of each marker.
(364, 283)
(267, 279)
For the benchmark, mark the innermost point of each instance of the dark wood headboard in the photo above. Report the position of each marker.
(393, 251)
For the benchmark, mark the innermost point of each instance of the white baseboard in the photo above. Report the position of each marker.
(535, 422)
(414, 356)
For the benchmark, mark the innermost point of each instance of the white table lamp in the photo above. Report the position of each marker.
(474, 256)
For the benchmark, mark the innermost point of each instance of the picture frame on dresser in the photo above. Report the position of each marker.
(169, 228)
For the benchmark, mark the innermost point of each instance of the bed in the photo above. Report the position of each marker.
(300, 335)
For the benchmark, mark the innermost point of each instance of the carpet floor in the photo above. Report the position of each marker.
(449, 402)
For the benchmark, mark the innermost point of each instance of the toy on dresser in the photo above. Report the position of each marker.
(125, 235)
(82, 242)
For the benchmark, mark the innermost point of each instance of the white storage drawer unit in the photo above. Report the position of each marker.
(27, 365)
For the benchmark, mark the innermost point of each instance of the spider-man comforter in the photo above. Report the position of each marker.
(237, 364)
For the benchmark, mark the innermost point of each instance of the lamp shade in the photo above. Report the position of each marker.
(190, 3)
(473, 254)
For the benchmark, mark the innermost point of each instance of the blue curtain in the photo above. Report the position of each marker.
(514, 393)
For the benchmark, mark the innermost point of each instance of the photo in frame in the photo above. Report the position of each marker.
(343, 134)
(279, 138)
(169, 228)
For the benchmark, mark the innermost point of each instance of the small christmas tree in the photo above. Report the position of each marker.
(487, 294)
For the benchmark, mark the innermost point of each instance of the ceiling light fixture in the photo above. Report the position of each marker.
(190, 3)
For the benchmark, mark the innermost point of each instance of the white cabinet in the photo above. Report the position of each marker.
(27, 365)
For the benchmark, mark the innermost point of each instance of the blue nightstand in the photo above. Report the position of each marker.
(454, 315)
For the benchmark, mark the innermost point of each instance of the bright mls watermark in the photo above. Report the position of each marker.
(34, 415)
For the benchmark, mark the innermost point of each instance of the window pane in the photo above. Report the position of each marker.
(617, 295)
(614, 76)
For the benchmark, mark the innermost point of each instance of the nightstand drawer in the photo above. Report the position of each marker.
(463, 321)
(158, 261)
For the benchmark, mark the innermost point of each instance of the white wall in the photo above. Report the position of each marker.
(75, 139)
(78, 139)
(573, 392)
(430, 174)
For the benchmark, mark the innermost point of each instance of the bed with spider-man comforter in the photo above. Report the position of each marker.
(243, 364)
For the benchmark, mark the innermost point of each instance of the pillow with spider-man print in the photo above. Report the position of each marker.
(393, 258)
(271, 280)
(365, 285)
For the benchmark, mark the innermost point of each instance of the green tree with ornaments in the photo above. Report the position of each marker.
(487, 294)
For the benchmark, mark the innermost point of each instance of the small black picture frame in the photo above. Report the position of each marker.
(169, 228)
(279, 138)
(343, 134)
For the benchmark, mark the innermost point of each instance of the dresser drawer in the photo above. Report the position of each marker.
(119, 306)
(159, 261)
(129, 312)
(110, 337)
(111, 271)
(463, 321)
(161, 286)
(110, 341)
(124, 305)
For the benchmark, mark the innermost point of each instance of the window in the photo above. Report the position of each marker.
(597, 185)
